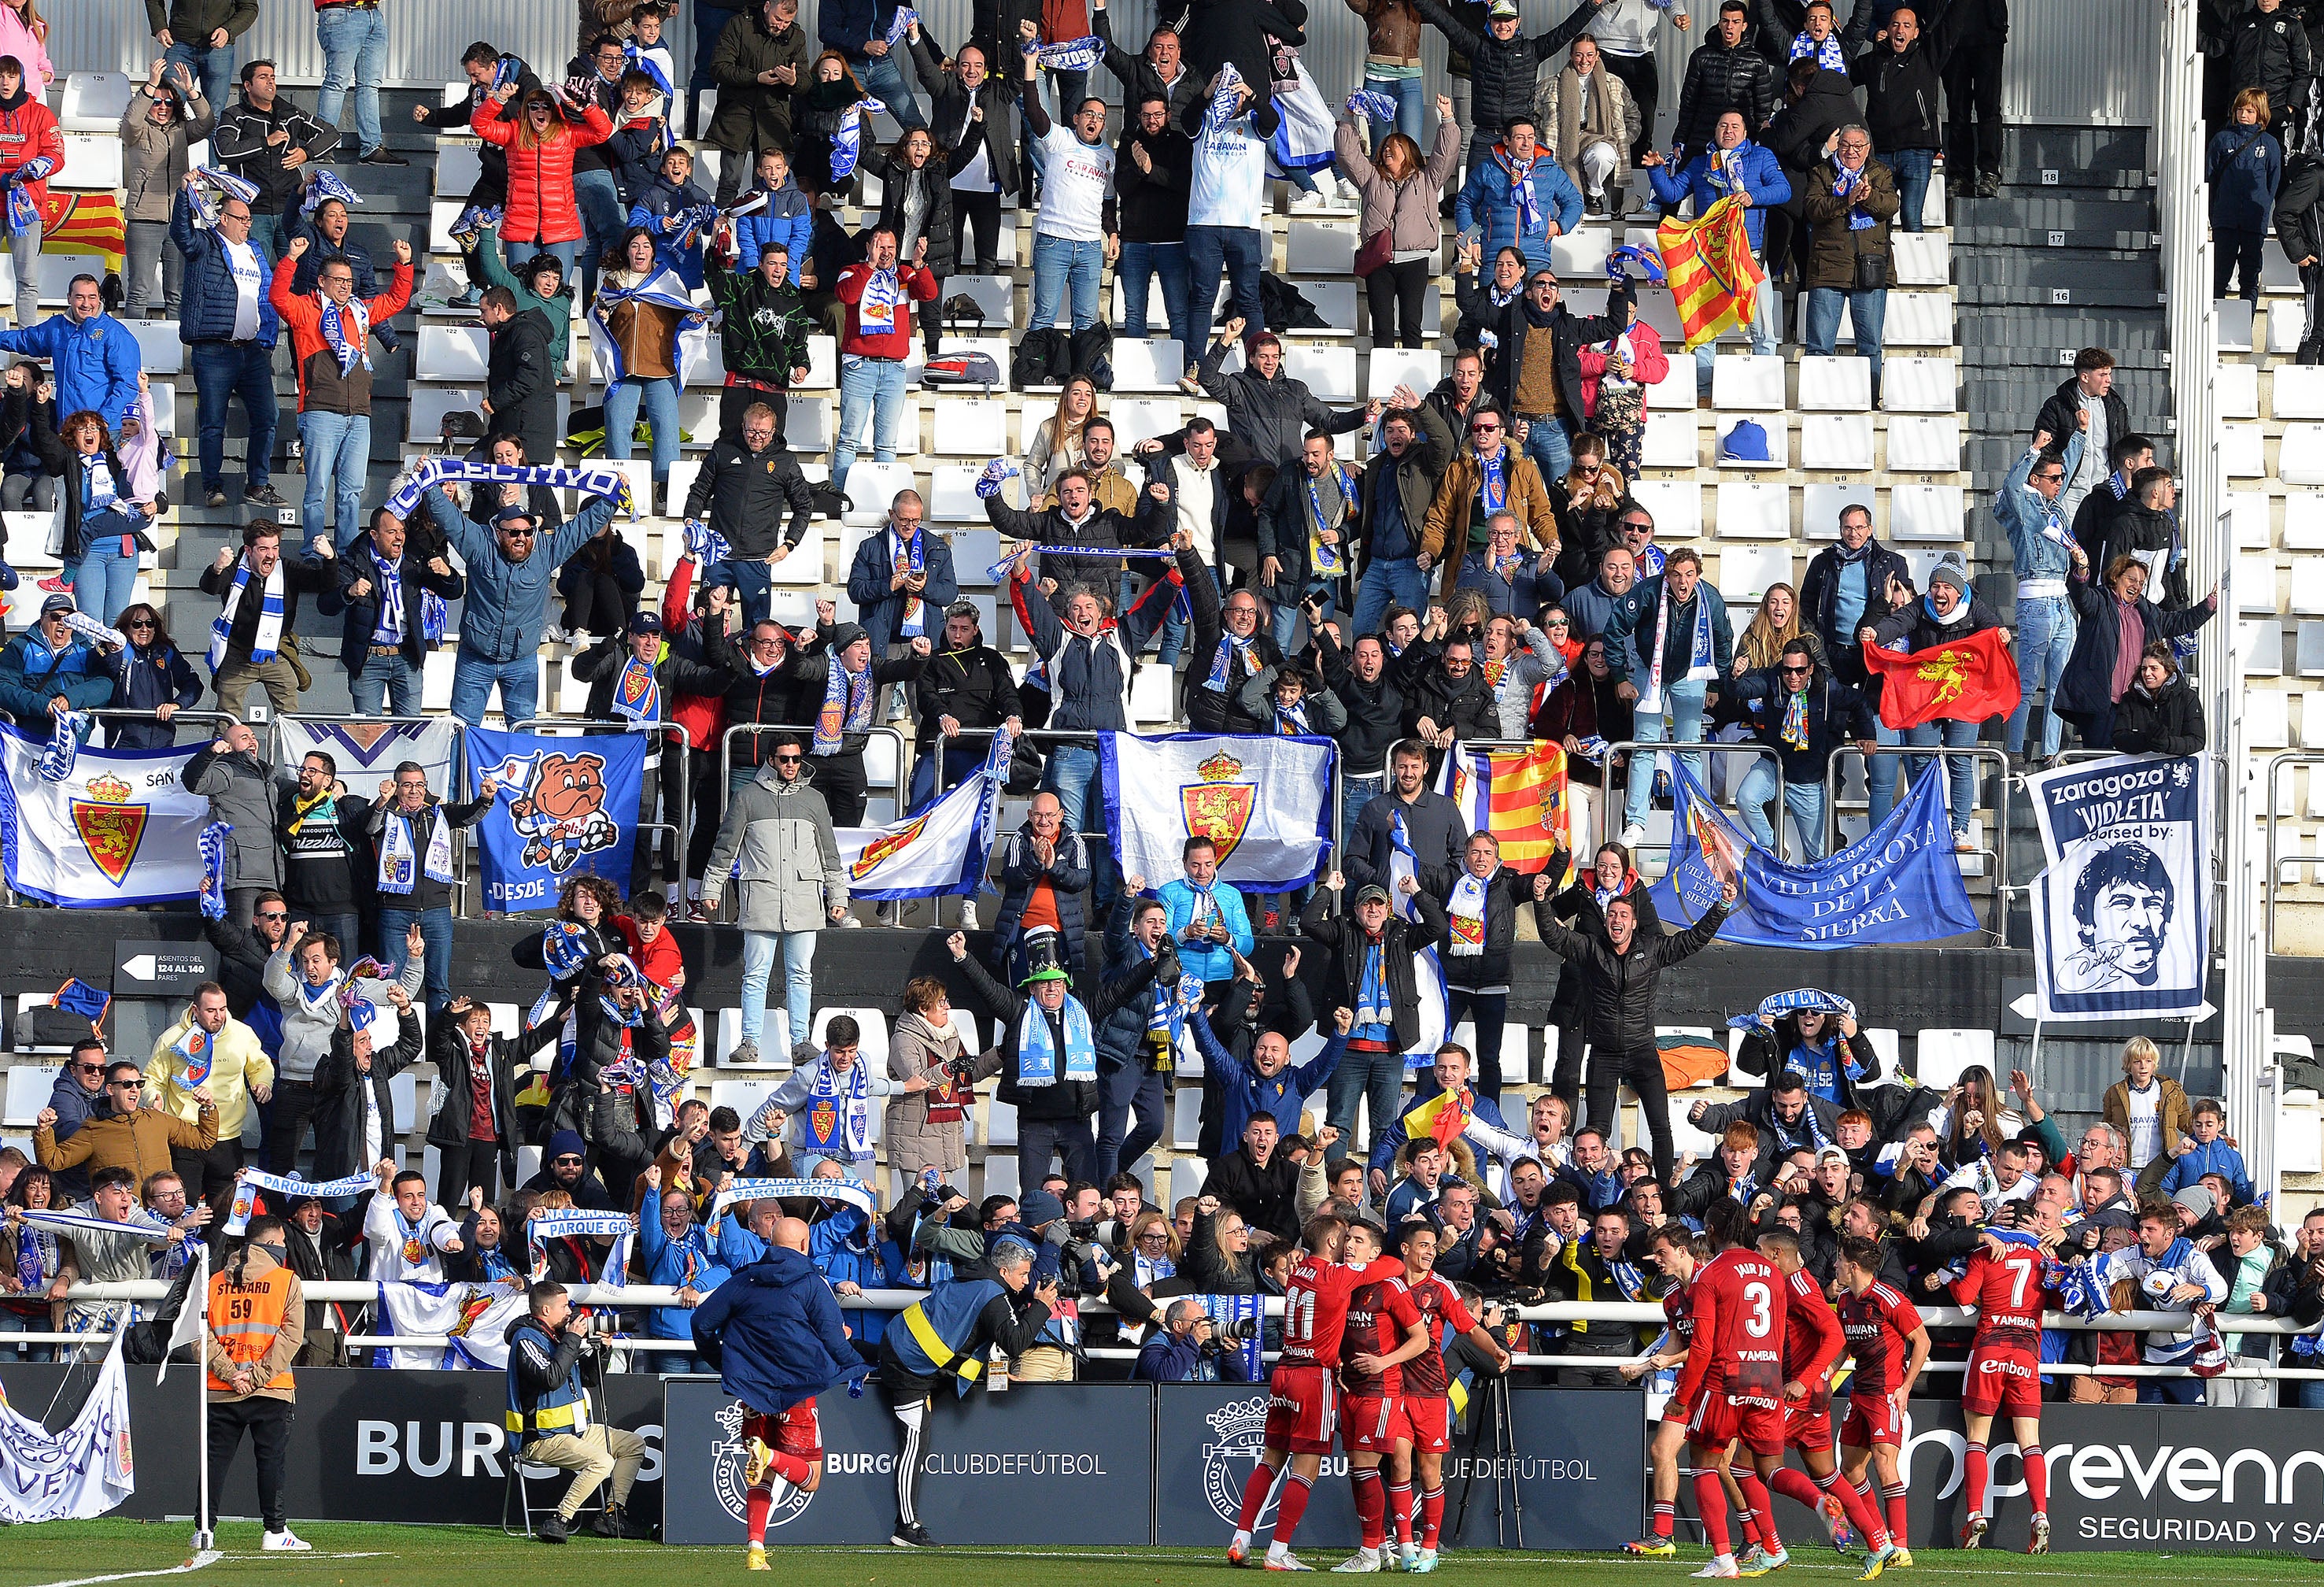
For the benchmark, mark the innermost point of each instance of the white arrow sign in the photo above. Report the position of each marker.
(142, 967)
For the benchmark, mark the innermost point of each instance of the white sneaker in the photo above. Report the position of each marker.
(968, 914)
(1364, 1561)
(286, 1542)
(850, 923)
(1720, 1569)
(1306, 202)
(1632, 837)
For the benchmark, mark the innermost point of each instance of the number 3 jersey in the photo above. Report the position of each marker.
(1737, 1301)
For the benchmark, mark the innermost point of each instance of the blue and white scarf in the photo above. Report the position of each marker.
(1222, 109)
(1521, 189)
(1700, 654)
(1373, 1004)
(664, 289)
(1594, 749)
(1073, 54)
(705, 544)
(882, 295)
(388, 629)
(847, 142)
(212, 844)
(1291, 721)
(1844, 184)
(911, 557)
(738, 1190)
(289, 1188)
(637, 695)
(597, 479)
(648, 61)
(1327, 561)
(1172, 1002)
(350, 343)
(995, 475)
(1648, 263)
(846, 705)
(1232, 647)
(62, 751)
(1827, 54)
(1805, 999)
(543, 1227)
(835, 1121)
(395, 850)
(267, 640)
(1037, 1054)
(1372, 105)
(95, 633)
(323, 187)
(223, 181)
(472, 219)
(1492, 481)
(900, 25)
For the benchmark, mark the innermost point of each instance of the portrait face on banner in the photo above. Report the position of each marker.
(2121, 916)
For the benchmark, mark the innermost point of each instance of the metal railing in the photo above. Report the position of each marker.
(732, 898)
(1632, 747)
(1971, 752)
(2275, 861)
(118, 713)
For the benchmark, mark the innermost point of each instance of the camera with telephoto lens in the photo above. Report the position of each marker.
(1234, 1330)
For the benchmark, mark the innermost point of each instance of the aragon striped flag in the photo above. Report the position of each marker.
(1714, 277)
(1517, 795)
(84, 223)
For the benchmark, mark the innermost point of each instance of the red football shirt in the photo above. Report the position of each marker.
(1739, 1327)
(1879, 1324)
(1380, 1313)
(2006, 1291)
(1315, 1306)
(1813, 1340)
(1440, 1307)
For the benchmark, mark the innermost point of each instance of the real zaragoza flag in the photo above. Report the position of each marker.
(940, 851)
(1714, 277)
(118, 830)
(1264, 801)
(1517, 795)
(84, 223)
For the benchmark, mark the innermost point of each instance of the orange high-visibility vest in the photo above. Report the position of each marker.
(246, 1317)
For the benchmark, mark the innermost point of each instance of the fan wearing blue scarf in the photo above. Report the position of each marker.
(330, 330)
(388, 635)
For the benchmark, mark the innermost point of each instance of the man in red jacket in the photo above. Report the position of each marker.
(32, 151)
(879, 298)
(330, 329)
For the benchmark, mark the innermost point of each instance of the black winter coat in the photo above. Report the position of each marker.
(1719, 79)
(1762, 1051)
(2269, 51)
(1401, 941)
(1820, 603)
(935, 220)
(2061, 414)
(2300, 207)
(521, 380)
(1502, 891)
(1067, 1099)
(974, 687)
(957, 132)
(2168, 722)
(339, 1102)
(1502, 76)
(1903, 92)
(1464, 704)
(450, 1049)
(1617, 989)
(1375, 711)
(359, 564)
(602, 664)
(2088, 682)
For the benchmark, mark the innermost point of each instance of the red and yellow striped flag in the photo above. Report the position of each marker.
(1714, 277)
(1517, 795)
(84, 223)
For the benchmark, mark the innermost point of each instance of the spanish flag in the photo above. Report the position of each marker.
(1713, 277)
(84, 223)
(1517, 795)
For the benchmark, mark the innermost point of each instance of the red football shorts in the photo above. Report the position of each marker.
(1806, 1427)
(2002, 1382)
(1718, 1419)
(1375, 1422)
(1873, 1418)
(1429, 1419)
(795, 1431)
(1303, 1408)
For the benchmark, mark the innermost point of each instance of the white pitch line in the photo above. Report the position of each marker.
(208, 1556)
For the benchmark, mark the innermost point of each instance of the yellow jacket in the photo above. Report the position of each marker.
(237, 1062)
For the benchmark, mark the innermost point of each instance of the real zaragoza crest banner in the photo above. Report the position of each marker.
(117, 830)
(935, 852)
(1265, 802)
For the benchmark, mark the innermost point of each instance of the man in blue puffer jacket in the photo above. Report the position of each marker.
(48, 662)
(773, 1335)
(1732, 164)
(1489, 200)
(230, 328)
(659, 207)
(94, 356)
(510, 575)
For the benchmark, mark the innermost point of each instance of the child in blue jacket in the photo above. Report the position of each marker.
(2208, 1152)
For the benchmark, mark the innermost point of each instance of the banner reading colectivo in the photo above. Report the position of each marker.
(1898, 883)
(117, 828)
(2122, 914)
(1265, 802)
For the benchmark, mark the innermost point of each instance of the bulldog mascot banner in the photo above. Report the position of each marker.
(566, 807)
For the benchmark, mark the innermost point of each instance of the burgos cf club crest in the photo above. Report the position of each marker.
(882, 849)
(1220, 806)
(111, 828)
(1237, 1429)
(560, 812)
(731, 1453)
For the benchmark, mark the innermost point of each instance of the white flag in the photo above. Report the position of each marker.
(193, 1317)
(938, 852)
(474, 1318)
(117, 830)
(1427, 964)
(368, 752)
(84, 1470)
(1265, 802)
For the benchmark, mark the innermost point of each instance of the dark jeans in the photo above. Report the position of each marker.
(472, 1165)
(1973, 87)
(1122, 1092)
(733, 402)
(436, 938)
(224, 371)
(286, 1122)
(1396, 294)
(346, 928)
(840, 779)
(979, 214)
(2171, 1391)
(706, 801)
(1641, 1068)
(1490, 1010)
(268, 1422)
(2231, 248)
(1067, 1138)
(1378, 1078)
(209, 1176)
(598, 606)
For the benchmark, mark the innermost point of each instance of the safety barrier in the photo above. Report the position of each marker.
(731, 904)
(2275, 861)
(1999, 852)
(1630, 747)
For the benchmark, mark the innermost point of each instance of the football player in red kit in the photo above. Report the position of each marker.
(1303, 1401)
(1679, 1253)
(2003, 1283)
(1733, 1382)
(1427, 1388)
(1812, 1343)
(1385, 1334)
(1891, 1345)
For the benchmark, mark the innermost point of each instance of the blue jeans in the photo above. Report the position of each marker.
(1913, 168)
(1804, 800)
(1411, 96)
(959, 766)
(1173, 627)
(213, 70)
(387, 685)
(1960, 771)
(671, 1360)
(709, 21)
(2045, 639)
(266, 234)
(1880, 775)
(1072, 775)
(1139, 263)
(659, 396)
(1377, 1078)
(1552, 451)
(1867, 311)
(1060, 264)
(1766, 332)
(346, 928)
(1355, 793)
(1240, 254)
(224, 371)
(759, 951)
(436, 932)
(1684, 700)
(104, 581)
(877, 384)
(603, 219)
(883, 79)
(354, 45)
(473, 677)
(1287, 613)
(2171, 1391)
(28, 1323)
(2311, 1393)
(520, 254)
(338, 456)
(1396, 582)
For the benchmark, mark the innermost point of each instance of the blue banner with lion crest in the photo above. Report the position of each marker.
(564, 808)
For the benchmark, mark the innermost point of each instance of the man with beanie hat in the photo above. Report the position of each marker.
(565, 1166)
(966, 691)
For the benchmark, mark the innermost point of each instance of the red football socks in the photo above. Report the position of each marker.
(2038, 1479)
(1710, 1503)
(1973, 1487)
(1432, 1516)
(1794, 1486)
(756, 1503)
(1860, 1511)
(1665, 1518)
(1372, 1505)
(1255, 1490)
(1291, 1506)
(1763, 1509)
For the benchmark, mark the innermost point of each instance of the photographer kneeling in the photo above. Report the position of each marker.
(1189, 1350)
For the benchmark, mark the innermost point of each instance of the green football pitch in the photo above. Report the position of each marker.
(346, 1555)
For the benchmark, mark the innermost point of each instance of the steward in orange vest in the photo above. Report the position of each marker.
(257, 1320)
